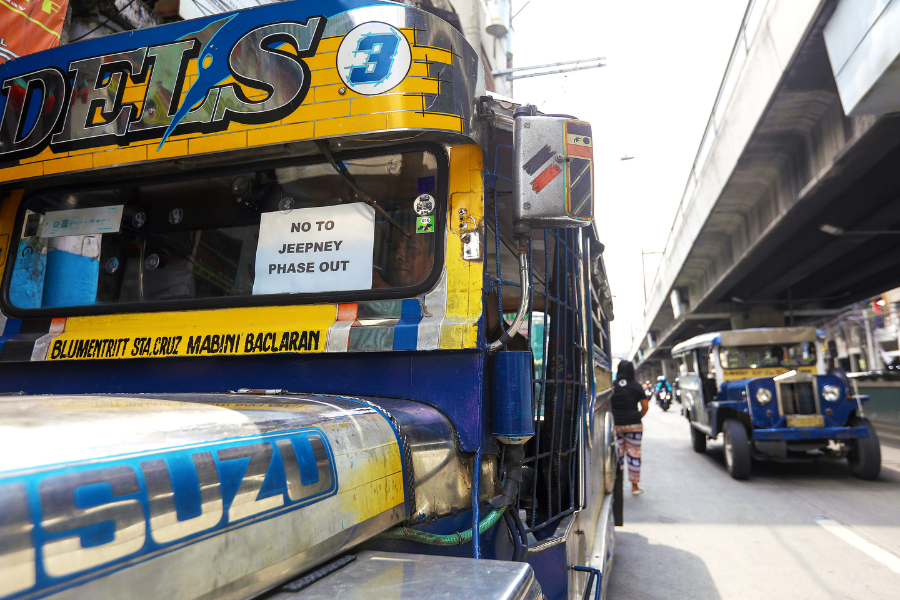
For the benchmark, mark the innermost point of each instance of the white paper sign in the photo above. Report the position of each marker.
(82, 221)
(326, 249)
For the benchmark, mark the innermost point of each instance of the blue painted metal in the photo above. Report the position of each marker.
(476, 507)
(69, 279)
(768, 415)
(10, 330)
(26, 283)
(450, 381)
(715, 407)
(551, 570)
(594, 573)
(513, 401)
(406, 331)
(763, 415)
(810, 433)
(733, 390)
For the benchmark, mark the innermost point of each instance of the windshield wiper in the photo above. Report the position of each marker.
(323, 148)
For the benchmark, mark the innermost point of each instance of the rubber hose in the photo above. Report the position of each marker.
(513, 458)
(520, 548)
(435, 539)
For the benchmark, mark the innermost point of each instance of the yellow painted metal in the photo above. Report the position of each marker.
(222, 332)
(734, 374)
(464, 278)
(8, 208)
(330, 109)
(805, 421)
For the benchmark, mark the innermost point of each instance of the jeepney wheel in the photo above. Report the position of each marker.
(737, 449)
(865, 458)
(698, 440)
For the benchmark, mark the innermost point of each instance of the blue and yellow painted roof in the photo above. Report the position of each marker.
(436, 93)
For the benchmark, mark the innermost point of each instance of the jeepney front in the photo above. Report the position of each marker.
(251, 306)
(795, 406)
(773, 382)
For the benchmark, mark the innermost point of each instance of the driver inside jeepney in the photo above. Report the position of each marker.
(409, 259)
(199, 237)
(755, 357)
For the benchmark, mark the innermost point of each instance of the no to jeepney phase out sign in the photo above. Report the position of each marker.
(326, 249)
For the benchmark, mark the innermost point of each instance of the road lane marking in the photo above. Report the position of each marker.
(889, 559)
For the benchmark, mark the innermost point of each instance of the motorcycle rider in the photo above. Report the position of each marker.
(663, 385)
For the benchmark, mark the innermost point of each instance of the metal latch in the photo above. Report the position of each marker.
(471, 246)
(469, 235)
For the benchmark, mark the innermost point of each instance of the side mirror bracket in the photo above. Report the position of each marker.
(553, 171)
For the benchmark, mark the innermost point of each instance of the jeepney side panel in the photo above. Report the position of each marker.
(591, 528)
(692, 389)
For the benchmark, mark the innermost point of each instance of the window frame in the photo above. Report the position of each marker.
(375, 294)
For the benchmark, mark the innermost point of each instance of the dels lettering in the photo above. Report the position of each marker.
(265, 58)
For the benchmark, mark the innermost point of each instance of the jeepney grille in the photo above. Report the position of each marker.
(797, 398)
(557, 273)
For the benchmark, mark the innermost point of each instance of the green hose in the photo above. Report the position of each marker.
(434, 539)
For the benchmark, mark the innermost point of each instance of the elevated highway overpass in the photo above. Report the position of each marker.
(804, 133)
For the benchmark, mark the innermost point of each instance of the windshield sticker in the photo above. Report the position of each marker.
(373, 58)
(424, 205)
(82, 221)
(26, 287)
(324, 249)
(425, 225)
(426, 184)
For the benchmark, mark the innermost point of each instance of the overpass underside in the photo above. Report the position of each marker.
(758, 256)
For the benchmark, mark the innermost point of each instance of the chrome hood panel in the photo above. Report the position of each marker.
(224, 495)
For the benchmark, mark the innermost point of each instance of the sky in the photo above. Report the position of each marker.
(652, 100)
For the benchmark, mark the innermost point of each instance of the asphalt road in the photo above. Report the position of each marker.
(792, 531)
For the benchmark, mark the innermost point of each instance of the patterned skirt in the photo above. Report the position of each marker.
(628, 439)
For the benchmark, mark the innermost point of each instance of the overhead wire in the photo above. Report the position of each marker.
(108, 19)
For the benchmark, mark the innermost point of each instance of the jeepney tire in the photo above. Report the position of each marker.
(698, 440)
(865, 459)
(737, 449)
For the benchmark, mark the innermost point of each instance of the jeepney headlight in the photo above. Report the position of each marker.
(831, 392)
(763, 396)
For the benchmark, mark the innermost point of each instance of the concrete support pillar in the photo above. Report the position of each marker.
(895, 321)
(669, 370)
(873, 361)
(757, 319)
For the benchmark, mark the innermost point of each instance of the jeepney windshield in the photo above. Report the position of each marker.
(774, 355)
(286, 230)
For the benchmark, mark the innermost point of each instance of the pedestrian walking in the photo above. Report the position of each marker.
(628, 396)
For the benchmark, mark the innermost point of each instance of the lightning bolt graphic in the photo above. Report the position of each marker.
(212, 70)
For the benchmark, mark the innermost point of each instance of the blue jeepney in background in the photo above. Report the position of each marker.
(272, 281)
(767, 392)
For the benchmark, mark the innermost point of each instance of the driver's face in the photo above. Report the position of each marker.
(410, 259)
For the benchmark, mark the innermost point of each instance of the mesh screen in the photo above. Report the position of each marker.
(556, 333)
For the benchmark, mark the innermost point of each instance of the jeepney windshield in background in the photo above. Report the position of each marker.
(296, 229)
(789, 356)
